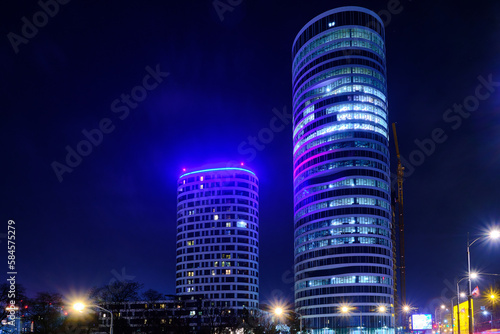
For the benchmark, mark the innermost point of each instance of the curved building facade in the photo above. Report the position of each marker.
(218, 237)
(342, 204)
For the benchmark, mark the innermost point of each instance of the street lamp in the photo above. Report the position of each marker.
(347, 310)
(383, 309)
(485, 313)
(493, 234)
(406, 309)
(491, 318)
(80, 306)
(442, 307)
(279, 311)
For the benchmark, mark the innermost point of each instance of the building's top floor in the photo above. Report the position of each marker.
(218, 174)
(342, 16)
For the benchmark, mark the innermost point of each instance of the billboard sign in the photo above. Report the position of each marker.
(463, 314)
(421, 322)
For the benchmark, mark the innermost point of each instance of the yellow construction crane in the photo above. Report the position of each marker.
(401, 222)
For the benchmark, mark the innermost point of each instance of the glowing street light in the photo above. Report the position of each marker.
(279, 311)
(461, 294)
(80, 307)
(406, 309)
(493, 234)
(345, 309)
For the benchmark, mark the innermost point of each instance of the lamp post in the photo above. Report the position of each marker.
(442, 307)
(382, 309)
(494, 234)
(279, 312)
(79, 307)
(344, 309)
(347, 310)
(406, 310)
(491, 318)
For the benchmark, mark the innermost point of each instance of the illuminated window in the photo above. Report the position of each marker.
(192, 312)
(228, 271)
(228, 224)
(216, 217)
(241, 224)
(201, 186)
(190, 243)
(216, 263)
(213, 272)
(201, 178)
(190, 273)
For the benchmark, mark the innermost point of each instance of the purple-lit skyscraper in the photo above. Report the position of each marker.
(343, 249)
(218, 237)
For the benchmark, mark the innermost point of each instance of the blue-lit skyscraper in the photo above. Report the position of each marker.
(343, 249)
(218, 238)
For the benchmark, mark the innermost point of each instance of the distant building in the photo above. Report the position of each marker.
(218, 237)
(179, 314)
(342, 198)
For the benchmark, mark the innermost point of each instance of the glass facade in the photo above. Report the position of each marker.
(342, 211)
(218, 237)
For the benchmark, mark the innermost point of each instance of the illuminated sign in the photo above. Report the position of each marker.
(464, 317)
(421, 321)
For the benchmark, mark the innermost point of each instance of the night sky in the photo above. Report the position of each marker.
(217, 83)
